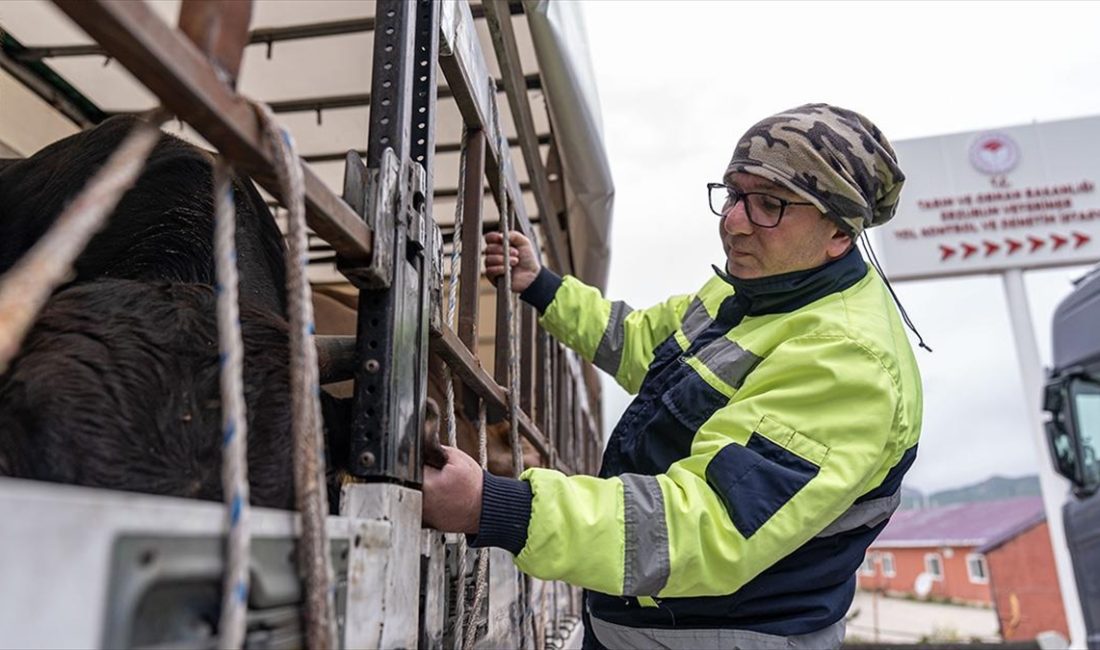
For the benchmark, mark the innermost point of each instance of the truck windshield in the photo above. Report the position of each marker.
(1086, 410)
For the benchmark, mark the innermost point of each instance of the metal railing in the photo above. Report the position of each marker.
(388, 244)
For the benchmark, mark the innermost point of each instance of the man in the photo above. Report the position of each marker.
(777, 410)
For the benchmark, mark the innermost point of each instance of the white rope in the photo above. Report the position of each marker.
(235, 586)
(448, 378)
(482, 580)
(550, 404)
(309, 470)
(26, 287)
(452, 293)
(511, 317)
(513, 356)
(548, 349)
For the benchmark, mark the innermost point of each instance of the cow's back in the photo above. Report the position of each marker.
(163, 227)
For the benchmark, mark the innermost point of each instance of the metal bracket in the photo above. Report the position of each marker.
(435, 281)
(374, 194)
(414, 200)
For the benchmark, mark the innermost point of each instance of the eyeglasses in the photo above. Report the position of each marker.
(763, 210)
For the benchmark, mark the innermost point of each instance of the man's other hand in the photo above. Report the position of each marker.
(452, 495)
(522, 259)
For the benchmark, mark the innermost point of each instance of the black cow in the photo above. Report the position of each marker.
(117, 384)
(162, 229)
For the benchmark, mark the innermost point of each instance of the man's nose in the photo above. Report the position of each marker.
(736, 220)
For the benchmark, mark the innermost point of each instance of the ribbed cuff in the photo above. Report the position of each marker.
(542, 291)
(505, 514)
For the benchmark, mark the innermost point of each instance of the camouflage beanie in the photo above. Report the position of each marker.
(834, 158)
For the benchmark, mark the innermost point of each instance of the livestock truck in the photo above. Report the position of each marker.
(405, 114)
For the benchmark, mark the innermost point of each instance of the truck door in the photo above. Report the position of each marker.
(1074, 435)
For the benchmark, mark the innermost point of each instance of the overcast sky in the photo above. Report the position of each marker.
(680, 81)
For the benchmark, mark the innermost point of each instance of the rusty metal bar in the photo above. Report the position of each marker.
(541, 388)
(583, 447)
(471, 238)
(560, 389)
(580, 441)
(504, 42)
(589, 454)
(554, 221)
(586, 385)
(447, 230)
(59, 51)
(463, 65)
(446, 147)
(356, 100)
(450, 192)
(331, 102)
(504, 330)
(47, 84)
(528, 362)
(268, 35)
(259, 36)
(464, 364)
(554, 398)
(586, 381)
(503, 317)
(546, 390)
(219, 30)
(470, 279)
(568, 422)
(173, 69)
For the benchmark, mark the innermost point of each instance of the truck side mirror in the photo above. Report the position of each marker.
(1063, 449)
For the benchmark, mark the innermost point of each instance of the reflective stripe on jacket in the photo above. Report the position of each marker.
(763, 454)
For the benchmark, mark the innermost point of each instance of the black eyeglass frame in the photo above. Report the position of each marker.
(739, 196)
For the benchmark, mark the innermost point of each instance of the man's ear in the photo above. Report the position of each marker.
(838, 245)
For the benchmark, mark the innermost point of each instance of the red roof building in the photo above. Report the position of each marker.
(985, 553)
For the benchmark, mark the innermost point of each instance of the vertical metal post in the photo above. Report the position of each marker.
(423, 247)
(433, 579)
(425, 57)
(568, 447)
(503, 354)
(470, 279)
(392, 342)
(474, 187)
(579, 439)
(527, 379)
(544, 386)
(557, 220)
(1053, 486)
(557, 354)
(390, 382)
(499, 18)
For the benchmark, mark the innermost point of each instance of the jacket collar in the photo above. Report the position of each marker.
(787, 292)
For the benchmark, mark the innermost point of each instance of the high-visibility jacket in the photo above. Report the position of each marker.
(762, 455)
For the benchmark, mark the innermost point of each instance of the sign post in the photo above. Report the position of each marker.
(1004, 201)
(1052, 485)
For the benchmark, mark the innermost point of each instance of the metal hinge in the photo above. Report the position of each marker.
(415, 196)
(374, 194)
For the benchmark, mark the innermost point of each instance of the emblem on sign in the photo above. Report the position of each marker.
(994, 153)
